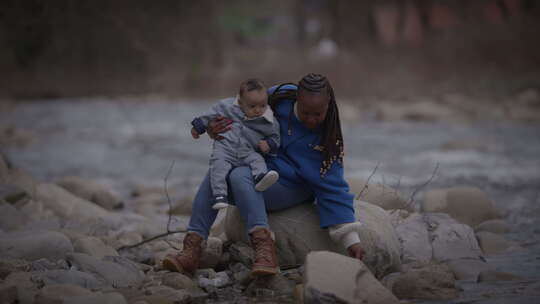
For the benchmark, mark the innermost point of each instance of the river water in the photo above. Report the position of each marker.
(128, 142)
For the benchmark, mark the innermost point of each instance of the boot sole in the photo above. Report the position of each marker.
(268, 180)
(264, 271)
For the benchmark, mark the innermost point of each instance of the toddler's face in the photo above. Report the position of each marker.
(254, 103)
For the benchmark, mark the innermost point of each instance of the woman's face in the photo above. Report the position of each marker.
(312, 109)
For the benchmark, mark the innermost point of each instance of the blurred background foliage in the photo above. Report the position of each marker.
(369, 48)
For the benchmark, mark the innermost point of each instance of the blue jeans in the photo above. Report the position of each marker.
(251, 203)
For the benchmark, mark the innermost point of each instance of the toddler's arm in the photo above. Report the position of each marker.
(272, 139)
(200, 123)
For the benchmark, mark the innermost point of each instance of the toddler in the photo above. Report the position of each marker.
(253, 131)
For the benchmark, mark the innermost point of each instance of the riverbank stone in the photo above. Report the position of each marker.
(34, 245)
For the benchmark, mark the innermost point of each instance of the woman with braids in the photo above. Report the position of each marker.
(310, 164)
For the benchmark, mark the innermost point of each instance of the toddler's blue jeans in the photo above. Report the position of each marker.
(252, 204)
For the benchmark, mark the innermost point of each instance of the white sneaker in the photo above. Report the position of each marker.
(267, 180)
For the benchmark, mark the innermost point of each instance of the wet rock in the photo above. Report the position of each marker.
(9, 265)
(467, 269)
(494, 226)
(71, 277)
(423, 281)
(177, 281)
(94, 247)
(58, 293)
(212, 253)
(468, 205)
(11, 218)
(34, 245)
(116, 271)
(493, 276)
(298, 232)
(333, 278)
(275, 285)
(414, 238)
(91, 191)
(378, 194)
(492, 243)
(219, 280)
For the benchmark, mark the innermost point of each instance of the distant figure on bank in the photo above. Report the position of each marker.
(254, 131)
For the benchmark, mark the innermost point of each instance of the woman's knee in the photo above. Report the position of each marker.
(240, 175)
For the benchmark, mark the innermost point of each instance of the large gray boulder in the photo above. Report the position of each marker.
(94, 247)
(435, 236)
(378, 194)
(334, 278)
(34, 245)
(91, 191)
(468, 205)
(492, 243)
(71, 277)
(116, 271)
(297, 232)
(494, 226)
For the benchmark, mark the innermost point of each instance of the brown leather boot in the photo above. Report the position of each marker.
(187, 261)
(266, 262)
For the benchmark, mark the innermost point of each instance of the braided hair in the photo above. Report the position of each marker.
(332, 138)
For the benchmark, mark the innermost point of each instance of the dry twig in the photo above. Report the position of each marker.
(367, 182)
(411, 199)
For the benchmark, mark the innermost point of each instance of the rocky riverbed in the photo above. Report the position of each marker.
(456, 203)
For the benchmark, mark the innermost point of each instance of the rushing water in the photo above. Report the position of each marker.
(123, 143)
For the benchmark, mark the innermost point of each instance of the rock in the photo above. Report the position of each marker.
(44, 265)
(275, 285)
(115, 271)
(58, 293)
(424, 281)
(11, 218)
(12, 193)
(436, 236)
(68, 206)
(297, 233)
(212, 253)
(493, 276)
(71, 277)
(4, 170)
(467, 269)
(242, 253)
(220, 279)
(494, 226)
(378, 194)
(208, 273)
(34, 245)
(94, 247)
(9, 265)
(468, 205)
(451, 240)
(165, 294)
(91, 191)
(23, 180)
(8, 294)
(26, 289)
(414, 238)
(177, 281)
(241, 273)
(333, 278)
(183, 206)
(492, 243)
(97, 297)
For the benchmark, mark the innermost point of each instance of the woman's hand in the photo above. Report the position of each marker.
(194, 133)
(264, 147)
(218, 125)
(356, 251)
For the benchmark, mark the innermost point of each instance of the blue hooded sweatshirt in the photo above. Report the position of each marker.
(298, 165)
